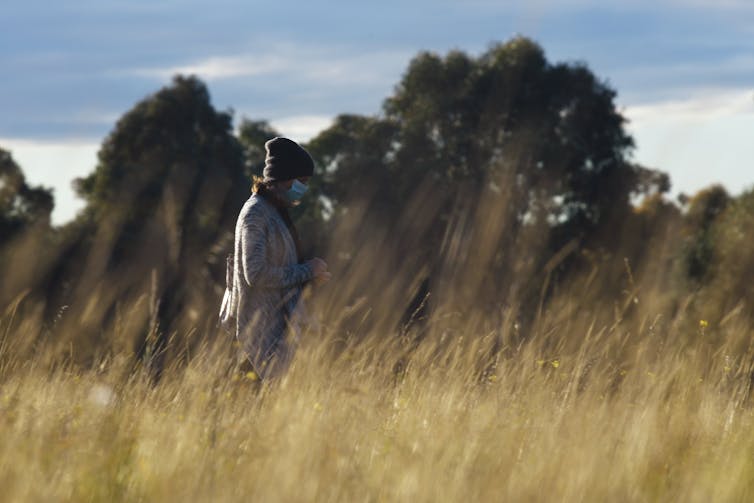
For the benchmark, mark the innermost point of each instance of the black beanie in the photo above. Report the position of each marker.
(286, 160)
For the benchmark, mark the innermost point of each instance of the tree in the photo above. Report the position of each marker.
(717, 259)
(510, 150)
(552, 130)
(704, 209)
(21, 205)
(252, 135)
(25, 230)
(163, 201)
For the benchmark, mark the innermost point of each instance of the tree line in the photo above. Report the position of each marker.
(488, 180)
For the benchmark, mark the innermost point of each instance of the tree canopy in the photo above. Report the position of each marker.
(548, 134)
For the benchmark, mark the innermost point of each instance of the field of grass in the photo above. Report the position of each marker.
(635, 413)
(613, 384)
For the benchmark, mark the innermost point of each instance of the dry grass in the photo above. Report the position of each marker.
(614, 418)
(615, 391)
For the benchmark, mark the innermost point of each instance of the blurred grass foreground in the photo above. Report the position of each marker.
(517, 311)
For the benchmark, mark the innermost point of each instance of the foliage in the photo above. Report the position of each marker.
(252, 134)
(703, 211)
(171, 145)
(727, 286)
(509, 118)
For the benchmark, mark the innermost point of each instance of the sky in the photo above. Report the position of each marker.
(683, 69)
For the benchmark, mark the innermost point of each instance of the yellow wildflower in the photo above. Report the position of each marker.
(703, 323)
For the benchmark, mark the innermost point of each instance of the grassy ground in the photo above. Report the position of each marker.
(616, 417)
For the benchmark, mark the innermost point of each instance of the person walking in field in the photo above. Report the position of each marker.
(265, 276)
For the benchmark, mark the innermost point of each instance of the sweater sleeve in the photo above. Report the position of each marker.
(256, 270)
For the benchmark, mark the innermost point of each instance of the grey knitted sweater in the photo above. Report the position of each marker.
(262, 305)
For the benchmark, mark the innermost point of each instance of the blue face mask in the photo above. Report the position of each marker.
(296, 192)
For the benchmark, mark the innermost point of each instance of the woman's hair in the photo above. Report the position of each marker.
(258, 185)
(266, 189)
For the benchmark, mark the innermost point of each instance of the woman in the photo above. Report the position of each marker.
(265, 274)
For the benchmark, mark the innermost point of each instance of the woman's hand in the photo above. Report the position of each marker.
(318, 266)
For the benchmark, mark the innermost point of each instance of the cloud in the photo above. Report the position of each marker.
(220, 67)
(92, 117)
(700, 140)
(302, 128)
(702, 106)
(333, 65)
